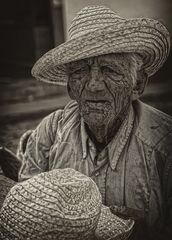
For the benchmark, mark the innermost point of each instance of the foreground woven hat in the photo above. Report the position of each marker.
(97, 30)
(60, 204)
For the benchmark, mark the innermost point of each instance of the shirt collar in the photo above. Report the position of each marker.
(84, 139)
(117, 144)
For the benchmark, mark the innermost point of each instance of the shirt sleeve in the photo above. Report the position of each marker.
(34, 146)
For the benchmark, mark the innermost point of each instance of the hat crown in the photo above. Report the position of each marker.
(62, 202)
(92, 18)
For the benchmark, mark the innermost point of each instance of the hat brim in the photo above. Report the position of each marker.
(111, 227)
(147, 37)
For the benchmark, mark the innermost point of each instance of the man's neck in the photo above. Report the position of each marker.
(102, 135)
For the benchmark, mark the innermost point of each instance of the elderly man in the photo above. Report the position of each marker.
(106, 132)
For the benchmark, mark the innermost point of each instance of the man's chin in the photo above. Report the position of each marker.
(95, 119)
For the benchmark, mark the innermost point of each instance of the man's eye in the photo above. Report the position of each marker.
(112, 74)
(77, 71)
(108, 69)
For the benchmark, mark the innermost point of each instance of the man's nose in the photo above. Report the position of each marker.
(95, 81)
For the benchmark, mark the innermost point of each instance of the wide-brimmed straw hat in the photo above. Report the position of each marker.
(60, 204)
(97, 30)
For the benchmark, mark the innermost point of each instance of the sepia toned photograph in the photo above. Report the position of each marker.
(86, 120)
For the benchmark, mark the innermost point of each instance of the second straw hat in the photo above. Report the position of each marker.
(60, 204)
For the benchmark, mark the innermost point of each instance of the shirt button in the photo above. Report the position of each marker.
(84, 155)
(97, 174)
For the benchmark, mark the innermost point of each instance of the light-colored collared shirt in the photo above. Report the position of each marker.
(125, 170)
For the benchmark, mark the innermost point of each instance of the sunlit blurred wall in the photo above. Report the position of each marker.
(159, 9)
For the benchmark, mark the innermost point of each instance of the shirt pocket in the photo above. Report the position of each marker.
(62, 155)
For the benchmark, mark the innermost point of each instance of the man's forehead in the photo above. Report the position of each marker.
(104, 59)
(113, 58)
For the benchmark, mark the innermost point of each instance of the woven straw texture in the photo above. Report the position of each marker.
(97, 30)
(61, 204)
(111, 227)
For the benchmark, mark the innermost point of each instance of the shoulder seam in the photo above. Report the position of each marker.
(154, 147)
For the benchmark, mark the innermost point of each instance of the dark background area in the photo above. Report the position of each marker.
(28, 28)
(26, 33)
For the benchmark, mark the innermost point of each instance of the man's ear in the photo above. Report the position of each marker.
(70, 91)
(138, 89)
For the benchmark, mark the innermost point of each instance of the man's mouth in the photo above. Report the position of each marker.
(96, 101)
(97, 106)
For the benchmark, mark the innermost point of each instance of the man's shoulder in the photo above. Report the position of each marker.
(70, 109)
(59, 116)
(154, 127)
(68, 114)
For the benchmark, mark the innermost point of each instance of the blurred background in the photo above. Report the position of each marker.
(29, 28)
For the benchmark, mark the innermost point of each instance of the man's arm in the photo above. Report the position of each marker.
(9, 164)
(35, 145)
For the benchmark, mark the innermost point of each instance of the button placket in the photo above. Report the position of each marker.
(99, 174)
(102, 184)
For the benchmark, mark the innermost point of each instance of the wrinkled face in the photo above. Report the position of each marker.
(102, 86)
